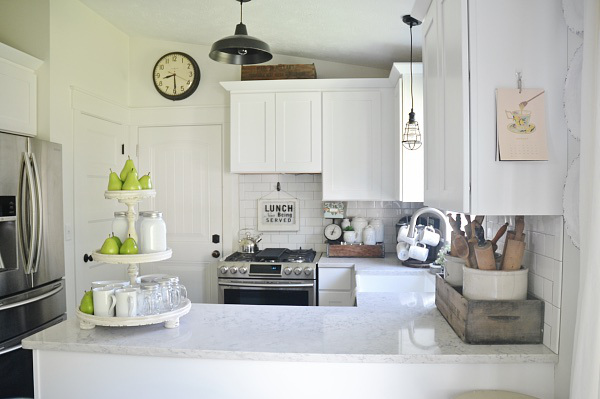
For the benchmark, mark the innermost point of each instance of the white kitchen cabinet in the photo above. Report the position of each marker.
(276, 132)
(358, 145)
(336, 286)
(470, 49)
(18, 97)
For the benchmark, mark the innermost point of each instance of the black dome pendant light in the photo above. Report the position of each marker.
(411, 137)
(240, 49)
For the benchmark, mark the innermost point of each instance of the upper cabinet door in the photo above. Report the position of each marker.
(445, 50)
(18, 107)
(298, 132)
(432, 134)
(352, 145)
(253, 133)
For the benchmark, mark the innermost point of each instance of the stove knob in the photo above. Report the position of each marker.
(287, 270)
(223, 269)
(308, 270)
(243, 269)
(233, 270)
(297, 270)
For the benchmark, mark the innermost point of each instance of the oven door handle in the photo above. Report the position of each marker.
(250, 285)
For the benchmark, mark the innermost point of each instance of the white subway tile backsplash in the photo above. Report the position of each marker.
(543, 257)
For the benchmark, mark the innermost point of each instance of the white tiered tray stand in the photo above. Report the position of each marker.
(171, 319)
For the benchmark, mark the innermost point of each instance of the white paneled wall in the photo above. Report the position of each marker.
(544, 258)
(308, 189)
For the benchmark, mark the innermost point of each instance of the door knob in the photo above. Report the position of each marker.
(216, 254)
(87, 258)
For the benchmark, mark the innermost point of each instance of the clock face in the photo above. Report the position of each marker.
(176, 76)
(333, 232)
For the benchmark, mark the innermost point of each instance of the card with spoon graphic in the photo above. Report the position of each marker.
(521, 125)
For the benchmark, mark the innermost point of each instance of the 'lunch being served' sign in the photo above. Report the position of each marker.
(278, 215)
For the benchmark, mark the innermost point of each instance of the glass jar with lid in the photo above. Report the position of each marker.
(153, 232)
(120, 226)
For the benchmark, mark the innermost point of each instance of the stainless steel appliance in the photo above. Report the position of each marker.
(32, 289)
(273, 276)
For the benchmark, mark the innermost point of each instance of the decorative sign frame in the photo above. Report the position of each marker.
(278, 214)
(334, 210)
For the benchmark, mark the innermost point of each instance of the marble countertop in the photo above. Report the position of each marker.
(384, 328)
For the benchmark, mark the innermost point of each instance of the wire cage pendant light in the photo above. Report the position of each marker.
(240, 49)
(411, 135)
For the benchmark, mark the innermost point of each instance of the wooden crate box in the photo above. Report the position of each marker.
(490, 322)
(281, 71)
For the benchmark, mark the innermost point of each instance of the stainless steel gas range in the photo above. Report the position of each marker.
(273, 276)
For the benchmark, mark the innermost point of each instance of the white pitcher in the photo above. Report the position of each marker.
(359, 224)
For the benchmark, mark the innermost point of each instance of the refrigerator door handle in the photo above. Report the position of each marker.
(11, 349)
(27, 248)
(58, 287)
(40, 215)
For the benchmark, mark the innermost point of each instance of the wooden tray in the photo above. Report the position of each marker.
(355, 251)
(490, 322)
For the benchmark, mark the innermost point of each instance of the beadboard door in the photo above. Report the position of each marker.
(186, 168)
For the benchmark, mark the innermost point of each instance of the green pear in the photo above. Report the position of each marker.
(117, 240)
(146, 182)
(87, 303)
(109, 247)
(114, 183)
(132, 182)
(129, 247)
(127, 168)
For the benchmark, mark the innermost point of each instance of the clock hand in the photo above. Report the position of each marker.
(174, 85)
(168, 76)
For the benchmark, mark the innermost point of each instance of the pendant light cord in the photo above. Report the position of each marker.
(412, 101)
(242, 14)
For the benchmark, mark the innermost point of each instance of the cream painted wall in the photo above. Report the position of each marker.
(25, 26)
(88, 53)
(145, 52)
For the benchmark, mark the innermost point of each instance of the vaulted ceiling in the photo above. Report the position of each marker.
(358, 32)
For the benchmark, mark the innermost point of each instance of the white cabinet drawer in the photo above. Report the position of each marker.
(335, 298)
(339, 278)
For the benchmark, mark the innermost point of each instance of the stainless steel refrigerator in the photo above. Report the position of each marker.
(32, 287)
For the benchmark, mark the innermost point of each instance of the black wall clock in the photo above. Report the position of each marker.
(176, 76)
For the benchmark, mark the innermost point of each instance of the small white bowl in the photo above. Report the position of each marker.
(495, 284)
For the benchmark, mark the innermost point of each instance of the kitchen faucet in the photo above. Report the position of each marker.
(427, 209)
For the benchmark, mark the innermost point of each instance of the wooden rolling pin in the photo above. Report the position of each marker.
(514, 247)
(472, 243)
(484, 251)
(498, 236)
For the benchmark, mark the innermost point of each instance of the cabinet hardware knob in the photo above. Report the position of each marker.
(216, 254)
(87, 258)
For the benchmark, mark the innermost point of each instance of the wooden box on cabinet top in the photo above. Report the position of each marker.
(490, 322)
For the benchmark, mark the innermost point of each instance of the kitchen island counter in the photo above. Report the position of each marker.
(384, 328)
(391, 343)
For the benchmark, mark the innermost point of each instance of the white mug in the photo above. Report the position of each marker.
(418, 252)
(402, 250)
(126, 302)
(429, 236)
(104, 301)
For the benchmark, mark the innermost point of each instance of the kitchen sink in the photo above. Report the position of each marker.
(409, 282)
